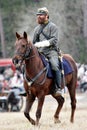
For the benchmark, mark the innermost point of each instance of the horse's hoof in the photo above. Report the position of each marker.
(32, 122)
(56, 120)
(37, 122)
(71, 120)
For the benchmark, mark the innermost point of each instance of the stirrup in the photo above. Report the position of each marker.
(58, 92)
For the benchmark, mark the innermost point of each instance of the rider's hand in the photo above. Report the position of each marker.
(42, 44)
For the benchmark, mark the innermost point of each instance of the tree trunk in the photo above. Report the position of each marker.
(85, 18)
(2, 38)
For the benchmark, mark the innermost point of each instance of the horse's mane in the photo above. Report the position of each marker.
(32, 45)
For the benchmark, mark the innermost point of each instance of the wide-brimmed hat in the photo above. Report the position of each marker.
(42, 11)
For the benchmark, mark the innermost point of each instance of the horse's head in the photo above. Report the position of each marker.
(22, 49)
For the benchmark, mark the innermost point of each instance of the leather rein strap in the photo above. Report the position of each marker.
(33, 80)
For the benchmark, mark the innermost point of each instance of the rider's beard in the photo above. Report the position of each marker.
(40, 21)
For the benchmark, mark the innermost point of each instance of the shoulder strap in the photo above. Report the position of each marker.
(41, 29)
(47, 37)
(39, 32)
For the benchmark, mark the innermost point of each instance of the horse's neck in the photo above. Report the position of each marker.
(34, 63)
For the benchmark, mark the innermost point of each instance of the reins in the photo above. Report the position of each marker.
(33, 80)
(27, 55)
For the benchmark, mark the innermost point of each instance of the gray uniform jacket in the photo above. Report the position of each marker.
(50, 33)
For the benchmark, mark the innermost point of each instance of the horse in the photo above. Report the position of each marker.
(36, 83)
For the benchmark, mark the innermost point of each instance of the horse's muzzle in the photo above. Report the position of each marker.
(17, 62)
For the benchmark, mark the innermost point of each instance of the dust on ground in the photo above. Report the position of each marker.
(17, 121)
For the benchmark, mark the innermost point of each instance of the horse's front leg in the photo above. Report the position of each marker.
(39, 108)
(29, 102)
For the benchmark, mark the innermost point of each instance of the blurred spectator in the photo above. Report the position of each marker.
(16, 82)
(1, 82)
(5, 85)
(83, 84)
(8, 73)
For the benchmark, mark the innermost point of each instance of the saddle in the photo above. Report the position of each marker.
(65, 65)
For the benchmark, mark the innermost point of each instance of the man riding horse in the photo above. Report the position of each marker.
(46, 40)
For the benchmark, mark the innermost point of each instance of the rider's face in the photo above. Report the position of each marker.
(41, 18)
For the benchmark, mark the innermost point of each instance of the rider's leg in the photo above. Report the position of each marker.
(57, 74)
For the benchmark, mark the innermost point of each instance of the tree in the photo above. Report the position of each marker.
(2, 38)
(85, 18)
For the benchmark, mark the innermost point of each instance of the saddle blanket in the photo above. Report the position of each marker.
(66, 65)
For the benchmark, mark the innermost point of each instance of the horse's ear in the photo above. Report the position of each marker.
(17, 35)
(25, 35)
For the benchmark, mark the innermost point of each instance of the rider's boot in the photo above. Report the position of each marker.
(58, 90)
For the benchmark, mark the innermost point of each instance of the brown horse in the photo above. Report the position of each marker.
(36, 82)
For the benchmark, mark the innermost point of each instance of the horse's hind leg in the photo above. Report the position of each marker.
(60, 101)
(72, 92)
(29, 102)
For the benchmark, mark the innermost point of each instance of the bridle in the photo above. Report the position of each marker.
(26, 56)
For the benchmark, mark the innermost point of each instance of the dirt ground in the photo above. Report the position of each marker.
(17, 121)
